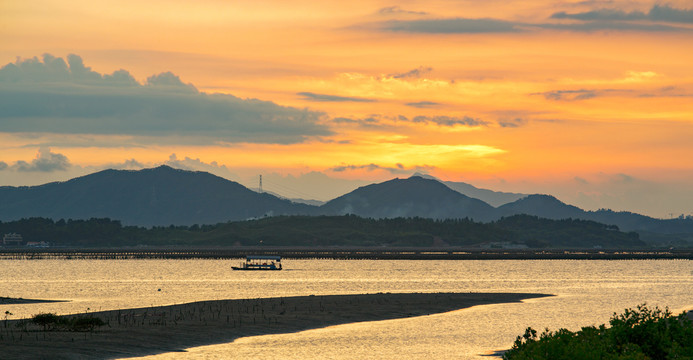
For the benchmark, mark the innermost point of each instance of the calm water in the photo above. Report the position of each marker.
(588, 292)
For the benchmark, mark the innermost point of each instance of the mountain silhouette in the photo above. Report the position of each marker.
(493, 198)
(412, 197)
(158, 196)
(544, 206)
(165, 196)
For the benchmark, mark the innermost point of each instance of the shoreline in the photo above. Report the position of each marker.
(15, 301)
(343, 253)
(174, 328)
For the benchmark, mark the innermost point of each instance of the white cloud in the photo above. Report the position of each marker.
(45, 161)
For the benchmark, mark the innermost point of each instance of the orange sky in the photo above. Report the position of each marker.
(561, 97)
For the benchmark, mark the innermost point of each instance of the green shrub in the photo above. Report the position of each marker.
(639, 334)
(51, 321)
(47, 320)
(85, 323)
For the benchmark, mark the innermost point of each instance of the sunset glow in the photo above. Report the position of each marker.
(561, 97)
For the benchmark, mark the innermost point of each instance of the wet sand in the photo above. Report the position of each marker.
(154, 330)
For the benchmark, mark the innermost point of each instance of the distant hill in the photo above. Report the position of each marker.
(493, 198)
(654, 231)
(545, 206)
(159, 196)
(412, 197)
(165, 196)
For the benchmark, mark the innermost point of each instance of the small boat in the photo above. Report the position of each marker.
(260, 262)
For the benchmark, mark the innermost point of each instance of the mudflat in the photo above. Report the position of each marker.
(154, 330)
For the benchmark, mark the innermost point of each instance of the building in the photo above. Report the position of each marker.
(12, 239)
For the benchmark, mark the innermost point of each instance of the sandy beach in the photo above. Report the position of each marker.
(154, 330)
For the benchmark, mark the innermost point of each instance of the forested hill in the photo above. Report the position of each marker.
(158, 196)
(163, 196)
(321, 231)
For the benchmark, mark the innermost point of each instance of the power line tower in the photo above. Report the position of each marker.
(260, 187)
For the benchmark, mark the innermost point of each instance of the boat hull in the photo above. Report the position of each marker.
(254, 269)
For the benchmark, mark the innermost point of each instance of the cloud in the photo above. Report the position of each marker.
(423, 104)
(448, 120)
(569, 95)
(59, 97)
(397, 169)
(658, 13)
(382, 121)
(173, 161)
(659, 18)
(415, 73)
(331, 98)
(188, 163)
(130, 164)
(512, 123)
(451, 26)
(45, 161)
(602, 15)
(396, 10)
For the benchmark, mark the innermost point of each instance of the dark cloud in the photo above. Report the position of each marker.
(169, 81)
(45, 161)
(659, 18)
(331, 98)
(415, 73)
(568, 94)
(450, 120)
(451, 26)
(380, 121)
(396, 10)
(374, 121)
(397, 169)
(658, 13)
(54, 96)
(423, 104)
(602, 15)
(512, 123)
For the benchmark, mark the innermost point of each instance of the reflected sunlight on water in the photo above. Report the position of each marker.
(588, 292)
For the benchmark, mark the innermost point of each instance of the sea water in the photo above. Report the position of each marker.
(587, 292)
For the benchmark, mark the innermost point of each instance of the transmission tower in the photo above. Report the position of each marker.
(260, 187)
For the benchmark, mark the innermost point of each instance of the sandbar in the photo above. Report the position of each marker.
(12, 301)
(155, 330)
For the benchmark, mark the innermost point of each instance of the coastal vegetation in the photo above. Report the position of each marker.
(51, 321)
(640, 334)
(320, 231)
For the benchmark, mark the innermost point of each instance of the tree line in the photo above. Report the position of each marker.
(316, 231)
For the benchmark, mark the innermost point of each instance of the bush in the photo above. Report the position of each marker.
(638, 334)
(47, 320)
(51, 321)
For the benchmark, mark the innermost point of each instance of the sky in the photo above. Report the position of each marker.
(589, 101)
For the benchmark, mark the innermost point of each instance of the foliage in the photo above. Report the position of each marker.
(51, 321)
(640, 333)
(346, 230)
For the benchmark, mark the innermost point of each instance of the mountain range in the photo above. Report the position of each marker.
(164, 196)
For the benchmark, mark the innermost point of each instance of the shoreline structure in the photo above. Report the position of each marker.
(342, 253)
(174, 328)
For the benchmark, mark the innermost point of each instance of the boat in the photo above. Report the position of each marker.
(260, 262)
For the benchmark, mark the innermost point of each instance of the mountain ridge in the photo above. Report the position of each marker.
(165, 196)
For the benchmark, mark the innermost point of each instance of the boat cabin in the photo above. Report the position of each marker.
(260, 262)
